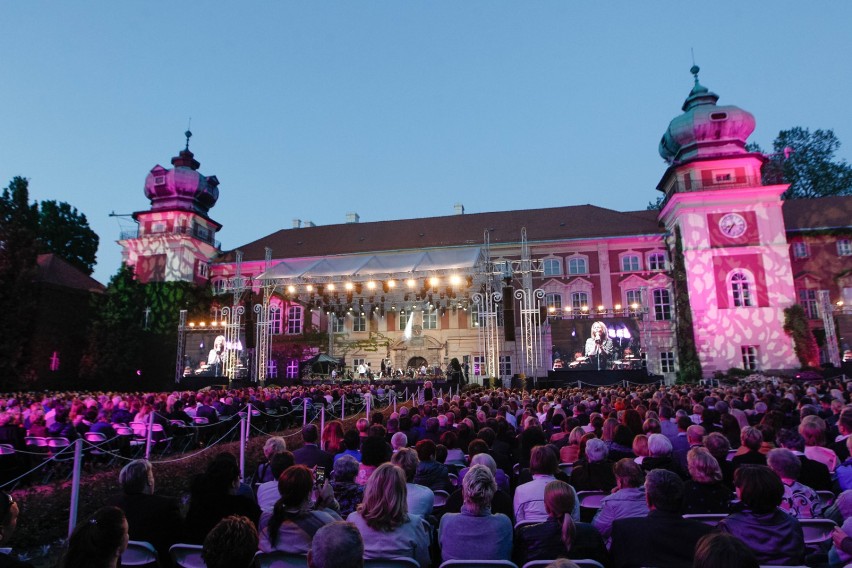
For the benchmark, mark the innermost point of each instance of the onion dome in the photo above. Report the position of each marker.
(706, 129)
(182, 187)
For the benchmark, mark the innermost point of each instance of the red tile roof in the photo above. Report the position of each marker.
(821, 213)
(55, 270)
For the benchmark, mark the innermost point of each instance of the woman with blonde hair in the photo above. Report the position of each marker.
(705, 493)
(560, 536)
(812, 430)
(383, 520)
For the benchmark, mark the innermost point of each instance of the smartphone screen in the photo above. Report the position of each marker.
(320, 476)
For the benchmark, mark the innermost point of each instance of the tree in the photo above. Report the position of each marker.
(18, 252)
(65, 232)
(655, 205)
(688, 362)
(806, 160)
(804, 342)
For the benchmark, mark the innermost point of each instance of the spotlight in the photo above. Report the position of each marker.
(371, 285)
(330, 287)
(349, 286)
(455, 280)
(411, 282)
(291, 289)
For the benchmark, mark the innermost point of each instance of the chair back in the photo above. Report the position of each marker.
(391, 563)
(566, 468)
(590, 499)
(477, 564)
(187, 555)
(817, 531)
(95, 437)
(201, 420)
(139, 553)
(279, 559)
(35, 441)
(827, 498)
(139, 429)
(440, 498)
(711, 519)
(7, 450)
(583, 563)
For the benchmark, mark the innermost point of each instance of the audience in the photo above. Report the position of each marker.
(475, 533)
(596, 474)
(273, 445)
(99, 541)
(420, 499)
(9, 512)
(337, 545)
(267, 492)
(627, 498)
(295, 519)
(705, 493)
(559, 535)
(799, 500)
(774, 536)
(387, 528)
(721, 550)
(663, 537)
(528, 503)
(232, 543)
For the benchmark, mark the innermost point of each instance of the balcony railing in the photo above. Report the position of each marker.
(195, 231)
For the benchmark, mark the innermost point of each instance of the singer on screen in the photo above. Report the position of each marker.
(599, 346)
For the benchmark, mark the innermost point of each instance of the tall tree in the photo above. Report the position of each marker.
(806, 160)
(688, 361)
(66, 232)
(18, 251)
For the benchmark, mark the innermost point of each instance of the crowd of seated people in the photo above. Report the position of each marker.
(655, 452)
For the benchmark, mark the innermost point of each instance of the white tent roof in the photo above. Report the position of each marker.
(383, 265)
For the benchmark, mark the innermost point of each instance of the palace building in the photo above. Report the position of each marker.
(516, 292)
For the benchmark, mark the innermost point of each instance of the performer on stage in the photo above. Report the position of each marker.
(599, 346)
(217, 355)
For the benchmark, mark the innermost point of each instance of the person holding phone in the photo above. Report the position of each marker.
(307, 504)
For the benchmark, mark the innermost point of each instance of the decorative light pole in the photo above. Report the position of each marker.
(233, 315)
(487, 304)
(530, 308)
(263, 333)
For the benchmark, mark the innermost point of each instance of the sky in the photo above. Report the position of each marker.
(392, 109)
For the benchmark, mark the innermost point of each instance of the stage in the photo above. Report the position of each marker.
(566, 377)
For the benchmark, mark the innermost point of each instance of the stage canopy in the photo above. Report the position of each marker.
(366, 267)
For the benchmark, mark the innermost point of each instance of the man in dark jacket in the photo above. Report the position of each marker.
(150, 518)
(663, 538)
(310, 454)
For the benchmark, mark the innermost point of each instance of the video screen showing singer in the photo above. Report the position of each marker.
(599, 346)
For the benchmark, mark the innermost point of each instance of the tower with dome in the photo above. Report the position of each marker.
(176, 239)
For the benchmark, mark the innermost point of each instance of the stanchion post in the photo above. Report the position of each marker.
(343, 407)
(149, 436)
(369, 400)
(304, 411)
(248, 422)
(322, 422)
(75, 484)
(243, 438)
(394, 401)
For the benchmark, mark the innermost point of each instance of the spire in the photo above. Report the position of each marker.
(188, 135)
(186, 158)
(699, 95)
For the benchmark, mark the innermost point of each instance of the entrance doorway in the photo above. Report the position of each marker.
(417, 362)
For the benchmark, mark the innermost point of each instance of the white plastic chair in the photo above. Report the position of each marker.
(440, 498)
(187, 555)
(591, 499)
(139, 553)
(584, 563)
(477, 564)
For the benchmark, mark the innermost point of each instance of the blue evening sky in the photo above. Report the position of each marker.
(392, 109)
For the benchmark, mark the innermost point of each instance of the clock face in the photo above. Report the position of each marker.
(732, 225)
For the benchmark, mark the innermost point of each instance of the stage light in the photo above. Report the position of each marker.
(618, 306)
(192, 324)
(634, 306)
(201, 324)
(585, 308)
(291, 289)
(455, 280)
(349, 286)
(330, 287)
(434, 282)
(551, 309)
(309, 288)
(600, 308)
(214, 323)
(839, 303)
(371, 285)
(411, 282)
(568, 308)
(391, 284)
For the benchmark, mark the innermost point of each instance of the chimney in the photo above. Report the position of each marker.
(310, 224)
(352, 217)
(297, 223)
(459, 208)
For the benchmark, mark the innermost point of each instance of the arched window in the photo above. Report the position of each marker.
(552, 267)
(577, 265)
(630, 263)
(276, 317)
(741, 287)
(657, 261)
(579, 300)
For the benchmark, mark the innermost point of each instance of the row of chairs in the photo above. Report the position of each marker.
(140, 553)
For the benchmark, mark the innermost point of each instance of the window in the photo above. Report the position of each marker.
(723, 177)
(657, 261)
(359, 322)
(275, 319)
(552, 267)
(808, 300)
(292, 369)
(630, 263)
(218, 286)
(430, 319)
(357, 363)
(741, 290)
(579, 300)
(577, 265)
(202, 269)
(474, 315)
(632, 297)
(800, 250)
(749, 357)
(403, 320)
(844, 247)
(505, 366)
(479, 365)
(294, 320)
(336, 323)
(662, 304)
(553, 303)
(667, 361)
